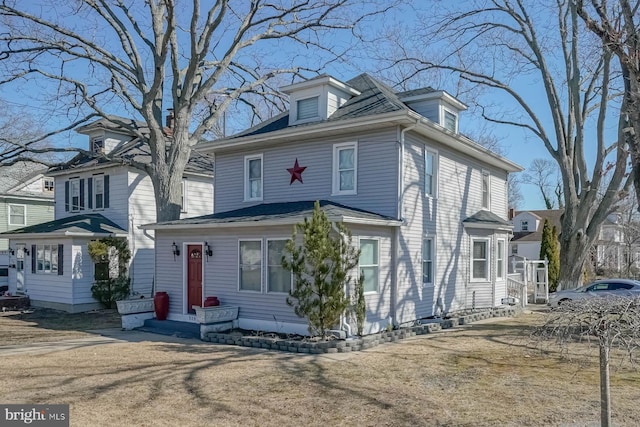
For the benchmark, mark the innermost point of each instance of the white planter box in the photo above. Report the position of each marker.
(222, 313)
(130, 306)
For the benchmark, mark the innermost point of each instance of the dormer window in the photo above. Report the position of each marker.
(97, 145)
(307, 108)
(48, 184)
(450, 121)
(524, 225)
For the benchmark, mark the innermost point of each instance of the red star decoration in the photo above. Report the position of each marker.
(296, 172)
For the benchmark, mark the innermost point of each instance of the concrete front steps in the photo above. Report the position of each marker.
(171, 328)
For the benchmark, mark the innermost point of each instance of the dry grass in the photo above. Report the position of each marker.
(483, 375)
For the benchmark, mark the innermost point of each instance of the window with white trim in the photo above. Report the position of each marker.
(74, 194)
(250, 265)
(46, 259)
(514, 249)
(307, 108)
(480, 259)
(430, 172)
(278, 279)
(524, 225)
(345, 168)
(97, 145)
(17, 214)
(450, 121)
(427, 262)
(500, 259)
(369, 264)
(183, 196)
(98, 191)
(48, 184)
(486, 189)
(253, 177)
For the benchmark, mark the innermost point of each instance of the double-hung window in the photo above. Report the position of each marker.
(278, 279)
(524, 225)
(486, 189)
(369, 264)
(430, 172)
(500, 259)
(253, 177)
(250, 265)
(17, 214)
(345, 168)
(98, 191)
(74, 194)
(480, 259)
(427, 262)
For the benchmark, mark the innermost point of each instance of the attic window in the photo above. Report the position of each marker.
(307, 108)
(450, 121)
(48, 184)
(97, 145)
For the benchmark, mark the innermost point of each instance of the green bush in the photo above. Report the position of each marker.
(108, 291)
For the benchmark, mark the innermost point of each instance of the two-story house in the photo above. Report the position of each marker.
(427, 207)
(26, 198)
(99, 196)
(527, 231)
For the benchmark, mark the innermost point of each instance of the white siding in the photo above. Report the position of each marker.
(49, 287)
(199, 196)
(82, 271)
(377, 174)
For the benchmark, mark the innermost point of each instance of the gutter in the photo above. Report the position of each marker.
(343, 317)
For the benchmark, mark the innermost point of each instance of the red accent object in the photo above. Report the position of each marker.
(211, 301)
(296, 172)
(161, 305)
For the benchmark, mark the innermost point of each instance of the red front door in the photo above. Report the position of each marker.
(194, 277)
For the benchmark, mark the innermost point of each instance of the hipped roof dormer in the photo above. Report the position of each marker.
(316, 99)
(436, 105)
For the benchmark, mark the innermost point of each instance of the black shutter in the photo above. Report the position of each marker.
(106, 191)
(60, 260)
(82, 194)
(66, 196)
(90, 191)
(34, 254)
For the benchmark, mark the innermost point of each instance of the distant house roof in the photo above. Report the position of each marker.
(553, 215)
(135, 150)
(279, 213)
(14, 177)
(89, 225)
(486, 219)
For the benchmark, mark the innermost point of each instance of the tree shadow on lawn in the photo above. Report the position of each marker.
(58, 320)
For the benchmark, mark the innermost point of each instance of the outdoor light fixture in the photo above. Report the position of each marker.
(176, 250)
(207, 249)
(12, 251)
(25, 251)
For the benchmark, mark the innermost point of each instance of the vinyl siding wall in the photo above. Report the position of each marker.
(36, 213)
(221, 273)
(376, 174)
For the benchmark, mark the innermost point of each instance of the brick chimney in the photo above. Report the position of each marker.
(511, 213)
(170, 118)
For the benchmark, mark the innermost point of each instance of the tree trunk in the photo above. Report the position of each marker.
(573, 253)
(605, 395)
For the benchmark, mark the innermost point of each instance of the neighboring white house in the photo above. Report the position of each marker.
(527, 232)
(98, 196)
(426, 206)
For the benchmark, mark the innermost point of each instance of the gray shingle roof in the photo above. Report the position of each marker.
(77, 224)
(487, 218)
(16, 174)
(553, 215)
(294, 211)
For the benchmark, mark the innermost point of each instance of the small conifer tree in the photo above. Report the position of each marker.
(549, 249)
(320, 264)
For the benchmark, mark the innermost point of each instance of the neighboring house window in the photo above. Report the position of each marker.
(250, 265)
(74, 187)
(48, 184)
(500, 259)
(98, 191)
(427, 262)
(253, 177)
(480, 259)
(183, 196)
(345, 164)
(514, 249)
(486, 189)
(97, 145)
(17, 214)
(47, 259)
(278, 279)
(369, 264)
(430, 172)
(450, 121)
(524, 225)
(307, 108)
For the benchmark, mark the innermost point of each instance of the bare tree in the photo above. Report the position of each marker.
(611, 322)
(146, 57)
(618, 25)
(543, 173)
(541, 45)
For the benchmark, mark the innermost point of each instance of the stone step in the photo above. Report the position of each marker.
(171, 328)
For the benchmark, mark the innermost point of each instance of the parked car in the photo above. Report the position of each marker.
(599, 288)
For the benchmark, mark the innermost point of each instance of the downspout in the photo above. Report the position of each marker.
(343, 318)
(394, 287)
